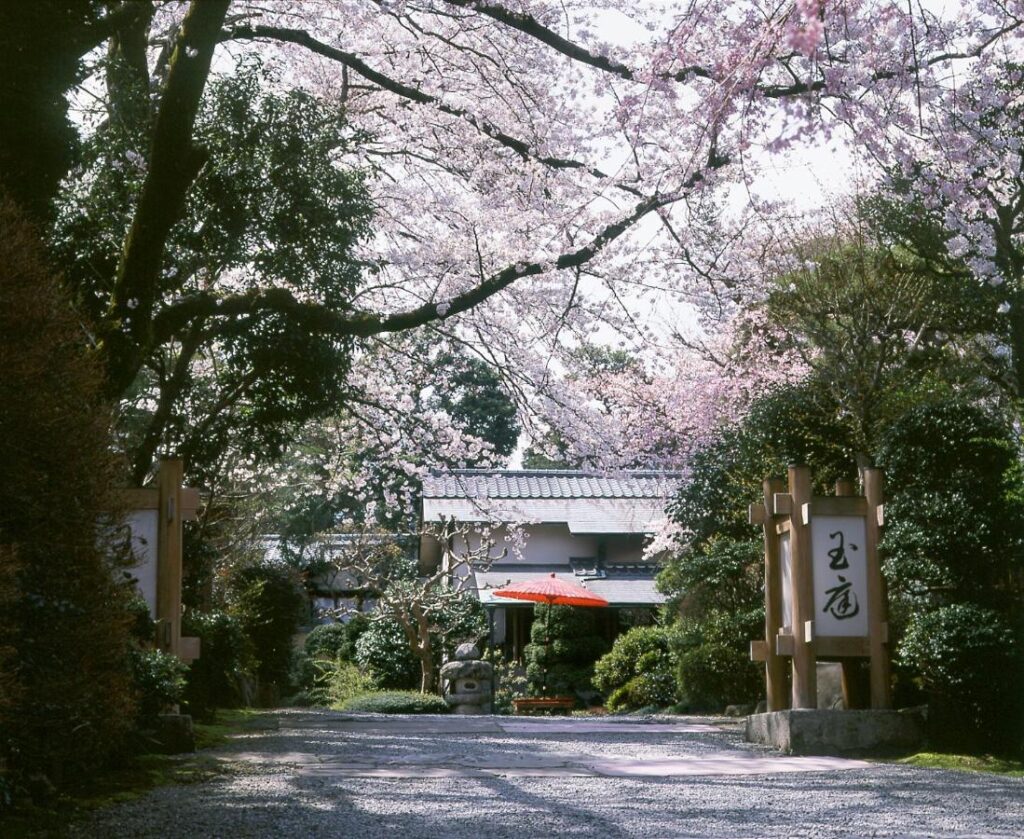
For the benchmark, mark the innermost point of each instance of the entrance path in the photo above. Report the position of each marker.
(326, 774)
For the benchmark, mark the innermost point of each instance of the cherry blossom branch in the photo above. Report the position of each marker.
(302, 38)
(169, 321)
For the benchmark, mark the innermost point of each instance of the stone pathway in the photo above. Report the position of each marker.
(349, 775)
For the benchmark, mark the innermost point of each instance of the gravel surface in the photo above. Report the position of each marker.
(322, 774)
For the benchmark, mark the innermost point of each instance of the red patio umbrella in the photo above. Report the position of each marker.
(554, 592)
(551, 590)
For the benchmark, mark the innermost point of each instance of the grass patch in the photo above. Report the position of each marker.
(135, 778)
(228, 723)
(966, 763)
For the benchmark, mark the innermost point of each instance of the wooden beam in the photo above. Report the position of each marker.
(878, 617)
(827, 505)
(805, 677)
(190, 503)
(841, 646)
(776, 682)
(784, 644)
(136, 498)
(168, 585)
(759, 651)
(782, 504)
(756, 514)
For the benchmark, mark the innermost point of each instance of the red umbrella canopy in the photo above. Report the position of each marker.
(552, 591)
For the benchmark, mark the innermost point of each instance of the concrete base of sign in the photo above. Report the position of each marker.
(817, 732)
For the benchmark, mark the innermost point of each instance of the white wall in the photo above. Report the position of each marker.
(553, 544)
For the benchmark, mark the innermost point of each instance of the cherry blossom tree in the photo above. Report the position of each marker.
(546, 173)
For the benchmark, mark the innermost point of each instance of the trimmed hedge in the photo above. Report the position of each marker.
(396, 702)
(639, 671)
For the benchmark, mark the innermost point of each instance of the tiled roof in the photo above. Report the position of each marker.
(549, 483)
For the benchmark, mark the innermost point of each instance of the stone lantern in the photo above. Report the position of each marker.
(467, 682)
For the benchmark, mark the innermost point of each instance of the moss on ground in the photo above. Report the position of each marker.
(966, 763)
(138, 776)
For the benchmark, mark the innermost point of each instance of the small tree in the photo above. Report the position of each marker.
(953, 559)
(269, 601)
(564, 644)
(432, 612)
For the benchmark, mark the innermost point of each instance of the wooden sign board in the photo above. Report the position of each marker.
(824, 594)
(838, 551)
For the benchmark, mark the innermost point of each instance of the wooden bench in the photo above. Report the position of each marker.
(532, 704)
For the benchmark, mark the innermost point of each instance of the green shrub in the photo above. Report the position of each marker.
(967, 661)
(382, 652)
(226, 659)
(159, 681)
(509, 682)
(340, 682)
(329, 641)
(564, 644)
(639, 670)
(714, 662)
(66, 699)
(396, 702)
(269, 601)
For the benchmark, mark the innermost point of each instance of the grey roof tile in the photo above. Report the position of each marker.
(551, 483)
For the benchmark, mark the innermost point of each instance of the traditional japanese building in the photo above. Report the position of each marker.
(586, 527)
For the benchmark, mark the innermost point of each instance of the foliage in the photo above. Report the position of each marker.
(331, 641)
(953, 558)
(395, 702)
(472, 393)
(715, 579)
(67, 698)
(564, 644)
(876, 324)
(271, 210)
(509, 682)
(269, 602)
(341, 681)
(639, 671)
(159, 681)
(968, 661)
(714, 661)
(215, 679)
(383, 652)
(431, 614)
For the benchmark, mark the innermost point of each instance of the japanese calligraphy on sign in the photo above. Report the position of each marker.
(840, 575)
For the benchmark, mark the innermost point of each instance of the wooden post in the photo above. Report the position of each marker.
(853, 692)
(168, 587)
(878, 641)
(805, 677)
(775, 664)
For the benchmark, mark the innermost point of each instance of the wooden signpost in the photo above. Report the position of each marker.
(155, 516)
(824, 593)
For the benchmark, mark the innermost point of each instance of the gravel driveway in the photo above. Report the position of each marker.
(324, 774)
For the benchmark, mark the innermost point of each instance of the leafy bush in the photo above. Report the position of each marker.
(330, 641)
(159, 681)
(396, 702)
(509, 682)
(563, 642)
(66, 699)
(382, 652)
(968, 663)
(714, 662)
(226, 659)
(342, 681)
(639, 670)
(953, 554)
(269, 601)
